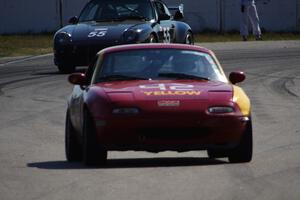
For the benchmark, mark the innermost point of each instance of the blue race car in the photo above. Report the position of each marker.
(104, 23)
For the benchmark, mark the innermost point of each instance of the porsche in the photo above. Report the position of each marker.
(157, 97)
(105, 23)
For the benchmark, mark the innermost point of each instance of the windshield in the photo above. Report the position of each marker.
(102, 10)
(158, 64)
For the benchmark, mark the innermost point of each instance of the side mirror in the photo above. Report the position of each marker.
(163, 17)
(178, 15)
(73, 20)
(77, 79)
(236, 77)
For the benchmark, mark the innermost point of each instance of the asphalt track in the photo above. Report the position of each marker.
(32, 161)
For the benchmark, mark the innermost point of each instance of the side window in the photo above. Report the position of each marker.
(89, 12)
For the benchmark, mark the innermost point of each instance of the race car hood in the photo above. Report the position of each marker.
(167, 94)
(99, 32)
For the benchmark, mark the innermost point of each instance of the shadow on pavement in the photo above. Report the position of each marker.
(130, 163)
(56, 72)
(46, 73)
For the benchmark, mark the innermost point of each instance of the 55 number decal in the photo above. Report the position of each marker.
(98, 33)
(166, 34)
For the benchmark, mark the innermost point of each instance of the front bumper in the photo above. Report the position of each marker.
(80, 54)
(176, 133)
(74, 55)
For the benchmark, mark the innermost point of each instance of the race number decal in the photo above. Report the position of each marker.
(163, 87)
(167, 35)
(169, 90)
(101, 32)
(154, 86)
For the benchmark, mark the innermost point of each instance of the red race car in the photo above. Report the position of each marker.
(157, 97)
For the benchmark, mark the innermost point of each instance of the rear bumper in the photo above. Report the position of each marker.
(155, 135)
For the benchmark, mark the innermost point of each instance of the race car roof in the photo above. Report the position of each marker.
(154, 46)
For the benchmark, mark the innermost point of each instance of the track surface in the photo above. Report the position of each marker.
(32, 161)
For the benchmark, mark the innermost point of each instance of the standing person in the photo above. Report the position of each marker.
(248, 9)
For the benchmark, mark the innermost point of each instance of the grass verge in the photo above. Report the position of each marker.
(21, 45)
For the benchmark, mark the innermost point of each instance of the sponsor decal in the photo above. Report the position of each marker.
(173, 93)
(168, 103)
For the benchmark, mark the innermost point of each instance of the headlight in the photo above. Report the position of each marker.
(125, 111)
(220, 109)
(130, 35)
(63, 38)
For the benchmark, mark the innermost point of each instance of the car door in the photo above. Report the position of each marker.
(166, 32)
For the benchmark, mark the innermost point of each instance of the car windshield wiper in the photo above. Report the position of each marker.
(182, 76)
(123, 18)
(116, 77)
(134, 16)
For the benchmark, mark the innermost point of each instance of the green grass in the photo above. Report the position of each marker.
(22, 45)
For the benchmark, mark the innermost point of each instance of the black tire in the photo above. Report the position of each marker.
(152, 38)
(72, 147)
(66, 69)
(93, 154)
(212, 153)
(243, 152)
(189, 38)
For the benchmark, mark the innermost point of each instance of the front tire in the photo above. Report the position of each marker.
(152, 38)
(92, 153)
(212, 153)
(243, 152)
(189, 38)
(72, 146)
